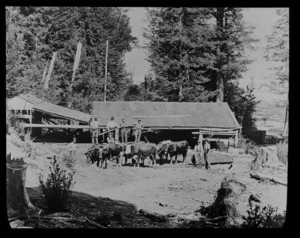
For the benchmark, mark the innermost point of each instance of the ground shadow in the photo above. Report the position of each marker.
(104, 211)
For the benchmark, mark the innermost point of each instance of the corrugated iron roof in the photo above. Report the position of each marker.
(47, 107)
(168, 114)
(62, 112)
(30, 98)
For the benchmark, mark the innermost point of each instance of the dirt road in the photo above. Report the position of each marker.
(179, 189)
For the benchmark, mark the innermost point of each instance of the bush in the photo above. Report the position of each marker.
(117, 216)
(246, 144)
(266, 217)
(103, 219)
(282, 152)
(68, 160)
(56, 189)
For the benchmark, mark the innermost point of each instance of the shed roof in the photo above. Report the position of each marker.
(60, 111)
(23, 102)
(46, 107)
(167, 115)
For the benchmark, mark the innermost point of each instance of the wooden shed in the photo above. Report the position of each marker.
(203, 119)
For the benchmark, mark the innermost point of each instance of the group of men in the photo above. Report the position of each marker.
(201, 153)
(113, 128)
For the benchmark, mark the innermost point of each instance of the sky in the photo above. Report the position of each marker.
(262, 19)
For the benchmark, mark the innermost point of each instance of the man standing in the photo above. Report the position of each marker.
(110, 138)
(95, 131)
(123, 127)
(198, 152)
(72, 148)
(112, 125)
(206, 148)
(138, 130)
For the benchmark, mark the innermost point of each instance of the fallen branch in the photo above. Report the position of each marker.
(258, 176)
(94, 223)
(15, 218)
(153, 216)
(59, 218)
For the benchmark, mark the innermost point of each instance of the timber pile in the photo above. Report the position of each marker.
(265, 157)
(226, 200)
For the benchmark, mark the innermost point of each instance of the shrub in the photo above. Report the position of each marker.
(246, 144)
(103, 219)
(56, 189)
(282, 152)
(266, 217)
(68, 160)
(117, 216)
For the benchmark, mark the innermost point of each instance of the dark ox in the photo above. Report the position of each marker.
(143, 150)
(92, 155)
(108, 151)
(173, 149)
(103, 152)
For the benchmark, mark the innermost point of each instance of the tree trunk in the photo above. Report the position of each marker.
(220, 15)
(18, 203)
(220, 88)
(225, 203)
(265, 156)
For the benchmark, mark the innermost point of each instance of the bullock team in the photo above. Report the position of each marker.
(138, 151)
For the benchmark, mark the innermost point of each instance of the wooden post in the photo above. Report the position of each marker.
(200, 138)
(105, 71)
(236, 138)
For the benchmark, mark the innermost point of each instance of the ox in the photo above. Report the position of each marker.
(173, 149)
(141, 150)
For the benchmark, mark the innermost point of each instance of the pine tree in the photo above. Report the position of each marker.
(232, 38)
(197, 51)
(46, 30)
(179, 52)
(277, 51)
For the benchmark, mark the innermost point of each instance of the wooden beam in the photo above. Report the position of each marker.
(236, 139)
(215, 133)
(56, 126)
(163, 116)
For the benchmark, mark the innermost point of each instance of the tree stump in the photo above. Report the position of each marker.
(226, 200)
(265, 156)
(18, 203)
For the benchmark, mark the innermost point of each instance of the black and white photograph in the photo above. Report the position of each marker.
(146, 117)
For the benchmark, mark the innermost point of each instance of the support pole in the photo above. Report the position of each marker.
(236, 138)
(105, 71)
(200, 136)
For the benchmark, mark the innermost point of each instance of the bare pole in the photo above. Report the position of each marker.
(105, 71)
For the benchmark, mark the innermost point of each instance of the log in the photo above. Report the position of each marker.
(153, 215)
(94, 223)
(226, 200)
(260, 177)
(17, 198)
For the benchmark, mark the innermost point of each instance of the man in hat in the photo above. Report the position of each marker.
(113, 127)
(110, 138)
(198, 153)
(206, 148)
(72, 148)
(95, 130)
(138, 130)
(123, 127)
